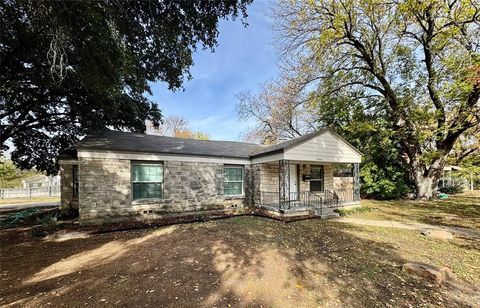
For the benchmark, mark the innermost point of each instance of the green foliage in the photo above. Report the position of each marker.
(49, 223)
(75, 67)
(19, 218)
(383, 184)
(407, 71)
(11, 176)
(452, 189)
(470, 170)
(382, 173)
(359, 209)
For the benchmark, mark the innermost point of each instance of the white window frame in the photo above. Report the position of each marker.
(243, 180)
(137, 163)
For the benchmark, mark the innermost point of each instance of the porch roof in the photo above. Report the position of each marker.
(324, 145)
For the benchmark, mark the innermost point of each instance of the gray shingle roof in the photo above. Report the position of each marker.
(122, 141)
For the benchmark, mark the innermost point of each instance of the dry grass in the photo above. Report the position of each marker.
(456, 211)
(20, 201)
(242, 261)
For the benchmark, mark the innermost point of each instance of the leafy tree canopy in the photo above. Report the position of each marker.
(74, 67)
(11, 176)
(413, 65)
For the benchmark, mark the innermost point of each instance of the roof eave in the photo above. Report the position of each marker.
(160, 152)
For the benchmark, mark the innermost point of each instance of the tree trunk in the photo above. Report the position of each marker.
(426, 182)
(425, 187)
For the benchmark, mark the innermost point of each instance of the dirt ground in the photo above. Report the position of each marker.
(234, 262)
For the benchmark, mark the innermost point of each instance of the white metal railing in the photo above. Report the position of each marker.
(47, 191)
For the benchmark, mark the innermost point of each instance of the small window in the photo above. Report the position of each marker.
(147, 180)
(233, 181)
(75, 181)
(316, 178)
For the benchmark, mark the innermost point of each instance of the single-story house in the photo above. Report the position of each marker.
(117, 176)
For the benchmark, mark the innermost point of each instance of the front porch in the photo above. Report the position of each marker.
(313, 174)
(291, 187)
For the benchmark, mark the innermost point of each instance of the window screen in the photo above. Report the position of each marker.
(233, 181)
(147, 180)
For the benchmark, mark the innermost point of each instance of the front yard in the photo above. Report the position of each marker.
(457, 211)
(244, 261)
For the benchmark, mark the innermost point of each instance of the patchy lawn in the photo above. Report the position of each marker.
(28, 200)
(456, 211)
(242, 261)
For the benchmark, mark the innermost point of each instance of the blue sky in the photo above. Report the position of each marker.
(243, 60)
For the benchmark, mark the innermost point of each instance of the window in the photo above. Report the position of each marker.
(233, 181)
(316, 178)
(147, 180)
(75, 181)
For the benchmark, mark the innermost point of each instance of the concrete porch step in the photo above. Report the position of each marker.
(326, 213)
(329, 216)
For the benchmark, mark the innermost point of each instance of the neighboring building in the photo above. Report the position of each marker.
(447, 180)
(40, 181)
(119, 176)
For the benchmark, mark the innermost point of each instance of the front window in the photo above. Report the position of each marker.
(75, 181)
(316, 178)
(147, 180)
(233, 181)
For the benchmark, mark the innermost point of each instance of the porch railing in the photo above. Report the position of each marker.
(331, 198)
(317, 201)
(292, 200)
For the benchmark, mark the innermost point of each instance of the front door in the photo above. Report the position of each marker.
(293, 182)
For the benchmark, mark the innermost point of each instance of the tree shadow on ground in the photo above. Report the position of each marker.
(243, 261)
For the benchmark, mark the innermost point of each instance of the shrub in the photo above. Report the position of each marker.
(49, 222)
(359, 209)
(68, 213)
(20, 218)
(381, 184)
(452, 189)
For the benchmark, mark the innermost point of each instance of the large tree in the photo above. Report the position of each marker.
(72, 67)
(278, 110)
(174, 126)
(415, 64)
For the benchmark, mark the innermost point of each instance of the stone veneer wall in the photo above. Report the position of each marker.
(328, 176)
(269, 178)
(106, 195)
(66, 186)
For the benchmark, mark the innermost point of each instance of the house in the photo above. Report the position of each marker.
(118, 176)
(40, 181)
